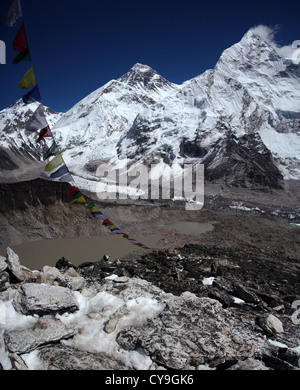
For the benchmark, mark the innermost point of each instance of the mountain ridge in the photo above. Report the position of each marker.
(251, 99)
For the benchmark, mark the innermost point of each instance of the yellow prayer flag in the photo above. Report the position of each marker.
(28, 80)
(81, 199)
(95, 208)
(112, 227)
(54, 163)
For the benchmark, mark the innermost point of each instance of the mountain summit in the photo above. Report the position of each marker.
(240, 119)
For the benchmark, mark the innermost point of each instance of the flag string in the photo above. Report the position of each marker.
(56, 167)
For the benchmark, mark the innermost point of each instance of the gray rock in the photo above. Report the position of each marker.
(121, 279)
(249, 364)
(61, 357)
(114, 319)
(4, 281)
(45, 331)
(42, 299)
(20, 272)
(245, 294)
(3, 264)
(193, 331)
(270, 324)
(70, 279)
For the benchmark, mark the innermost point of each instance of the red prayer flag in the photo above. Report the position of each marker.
(106, 222)
(20, 42)
(73, 190)
(45, 132)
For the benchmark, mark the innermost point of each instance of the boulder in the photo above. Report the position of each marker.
(249, 364)
(3, 264)
(70, 279)
(246, 294)
(193, 331)
(20, 272)
(42, 299)
(45, 331)
(4, 281)
(62, 357)
(270, 324)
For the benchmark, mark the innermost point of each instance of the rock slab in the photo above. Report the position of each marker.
(45, 331)
(43, 298)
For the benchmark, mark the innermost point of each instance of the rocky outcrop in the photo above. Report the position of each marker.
(100, 316)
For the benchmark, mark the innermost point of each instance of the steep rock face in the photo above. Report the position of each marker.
(244, 162)
(45, 207)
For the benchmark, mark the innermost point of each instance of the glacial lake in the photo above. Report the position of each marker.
(36, 254)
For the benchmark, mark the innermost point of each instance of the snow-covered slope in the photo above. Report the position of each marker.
(89, 132)
(240, 119)
(253, 90)
(19, 150)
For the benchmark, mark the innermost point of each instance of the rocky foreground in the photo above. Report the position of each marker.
(193, 308)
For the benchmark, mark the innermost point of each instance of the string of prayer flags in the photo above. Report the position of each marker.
(54, 163)
(38, 120)
(32, 96)
(45, 132)
(52, 151)
(28, 80)
(56, 167)
(20, 41)
(14, 13)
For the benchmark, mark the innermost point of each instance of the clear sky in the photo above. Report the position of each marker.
(77, 46)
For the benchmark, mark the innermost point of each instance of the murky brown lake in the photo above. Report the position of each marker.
(36, 254)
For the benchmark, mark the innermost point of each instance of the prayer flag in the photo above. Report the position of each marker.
(116, 229)
(24, 56)
(28, 80)
(81, 199)
(52, 151)
(38, 120)
(95, 208)
(67, 178)
(73, 190)
(54, 163)
(60, 172)
(20, 41)
(14, 13)
(111, 226)
(98, 214)
(32, 96)
(106, 222)
(45, 132)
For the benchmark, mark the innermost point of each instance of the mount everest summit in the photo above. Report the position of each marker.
(240, 119)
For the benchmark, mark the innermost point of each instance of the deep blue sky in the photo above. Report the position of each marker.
(78, 46)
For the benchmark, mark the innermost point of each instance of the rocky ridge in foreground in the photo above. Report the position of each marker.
(194, 308)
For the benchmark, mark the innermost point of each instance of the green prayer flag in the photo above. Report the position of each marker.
(52, 151)
(24, 56)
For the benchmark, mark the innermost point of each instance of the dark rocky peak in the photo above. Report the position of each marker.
(143, 76)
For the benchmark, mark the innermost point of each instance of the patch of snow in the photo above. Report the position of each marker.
(208, 281)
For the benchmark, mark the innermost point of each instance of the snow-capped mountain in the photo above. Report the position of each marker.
(252, 94)
(240, 119)
(19, 150)
(99, 121)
